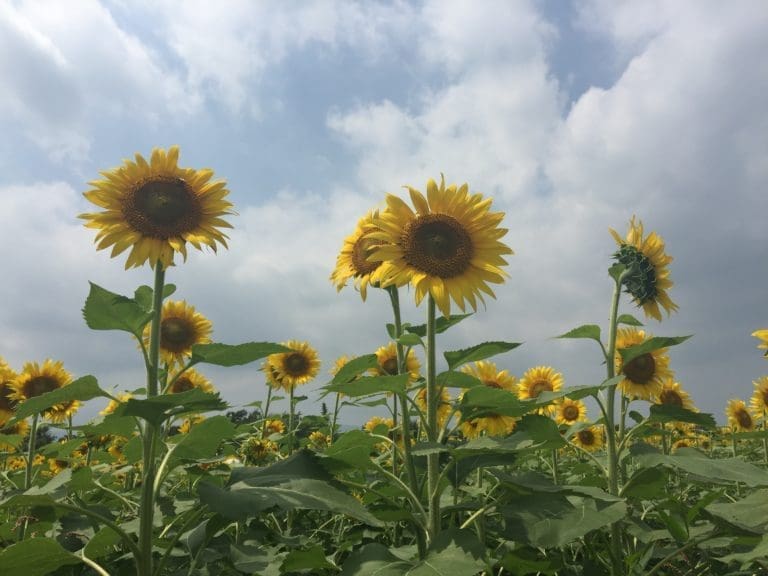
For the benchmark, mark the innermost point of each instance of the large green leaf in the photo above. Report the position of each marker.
(668, 413)
(204, 438)
(367, 385)
(354, 368)
(374, 560)
(351, 450)
(34, 557)
(629, 320)
(159, 408)
(84, 388)
(441, 325)
(481, 401)
(454, 379)
(102, 544)
(105, 310)
(704, 469)
(454, 552)
(646, 484)
(256, 560)
(750, 513)
(591, 331)
(234, 354)
(312, 559)
(759, 552)
(479, 352)
(533, 432)
(144, 295)
(655, 343)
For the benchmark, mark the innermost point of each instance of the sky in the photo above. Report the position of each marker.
(572, 116)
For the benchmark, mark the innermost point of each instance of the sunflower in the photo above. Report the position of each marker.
(61, 412)
(537, 380)
(682, 443)
(155, 208)
(35, 380)
(122, 397)
(181, 327)
(444, 408)
(493, 424)
(188, 423)
(386, 358)
(673, 395)
(255, 450)
(20, 428)
(352, 261)
(569, 411)
(648, 280)
(189, 380)
(644, 375)
(287, 370)
(7, 404)
(759, 401)
(589, 439)
(319, 440)
(449, 247)
(739, 417)
(762, 335)
(274, 427)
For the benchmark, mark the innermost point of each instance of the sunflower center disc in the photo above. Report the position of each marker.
(765, 397)
(570, 413)
(360, 252)
(40, 385)
(6, 404)
(296, 364)
(162, 207)
(671, 398)
(176, 334)
(390, 366)
(492, 384)
(744, 419)
(182, 385)
(641, 369)
(587, 437)
(538, 387)
(438, 245)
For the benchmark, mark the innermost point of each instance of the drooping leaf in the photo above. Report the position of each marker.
(256, 560)
(312, 559)
(669, 413)
(441, 325)
(34, 557)
(629, 320)
(234, 354)
(759, 552)
(479, 352)
(374, 560)
(646, 484)
(533, 432)
(204, 438)
(655, 343)
(351, 450)
(84, 388)
(704, 469)
(354, 368)
(454, 552)
(367, 385)
(105, 310)
(410, 339)
(159, 408)
(102, 544)
(482, 401)
(454, 379)
(750, 513)
(591, 331)
(143, 295)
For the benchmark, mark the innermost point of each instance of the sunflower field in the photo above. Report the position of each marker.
(466, 470)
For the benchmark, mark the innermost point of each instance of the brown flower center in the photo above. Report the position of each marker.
(492, 384)
(176, 334)
(438, 245)
(296, 364)
(182, 384)
(40, 385)
(641, 369)
(744, 419)
(539, 386)
(586, 437)
(6, 403)
(765, 396)
(360, 252)
(390, 366)
(162, 207)
(671, 398)
(571, 412)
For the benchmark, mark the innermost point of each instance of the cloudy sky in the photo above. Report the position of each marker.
(573, 115)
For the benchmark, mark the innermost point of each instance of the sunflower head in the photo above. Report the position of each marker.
(490, 376)
(7, 403)
(377, 421)
(648, 278)
(274, 427)
(113, 404)
(353, 260)
(35, 380)
(672, 394)
(155, 208)
(644, 375)
(589, 439)
(762, 335)
(569, 411)
(386, 358)
(759, 401)
(256, 450)
(444, 407)
(189, 380)
(181, 327)
(537, 380)
(287, 370)
(448, 247)
(61, 412)
(739, 417)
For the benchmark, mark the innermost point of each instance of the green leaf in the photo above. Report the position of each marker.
(533, 432)
(454, 552)
(351, 450)
(143, 295)
(427, 448)
(704, 469)
(312, 559)
(616, 270)
(410, 339)
(374, 560)
(479, 352)
(367, 385)
(203, 439)
(655, 343)
(354, 368)
(234, 354)
(441, 325)
(482, 401)
(256, 560)
(629, 320)
(84, 388)
(759, 552)
(159, 408)
(114, 425)
(53, 486)
(34, 557)
(668, 413)
(591, 331)
(646, 484)
(453, 379)
(105, 310)
(750, 513)
(102, 544)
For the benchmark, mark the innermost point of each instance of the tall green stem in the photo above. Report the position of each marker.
(147, 511)
(265, 415)
(433, 399)
(290, 422)
(31, 452)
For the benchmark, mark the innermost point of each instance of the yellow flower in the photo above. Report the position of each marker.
(352, 261)
(762, 335)
(36, 380)
(20, 428)
(648, 280)
(155, 208)
(589, 439)
(181, 327)
(493, 424)
(189, 380)
(673, 395)
(7, 404)
(537, 380)
(287, 370)
(759, 401)
(682, 443)
(377, 421)
(386, 358)
(444, 408)
(274, 427)
(113, 404)
(449, 247)
(186, 425)
(61, 412)
(644, 375)
(739, 417)
(256, 449)
(319, 440)
(56, 465)
(569, 411)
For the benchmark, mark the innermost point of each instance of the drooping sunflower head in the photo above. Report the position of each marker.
(181, 327)
(490, 376)
(589, 439)
(739, 417)
(759, 401)
(386, 358)
(569, 411)
(648, 280)
(537, 380)
(448, 247)
(7, 403)
(189, 380)
(155, 208)
(672, 394)
(287, 370)
(353, 260)
(762, 335)
(35, 380)
(644, 375)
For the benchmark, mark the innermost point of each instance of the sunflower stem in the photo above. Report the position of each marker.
(334, 418)
(31, 452)
(147, 511)
(433, 397)
(290, 422)
(555, 468)
(265, 416)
